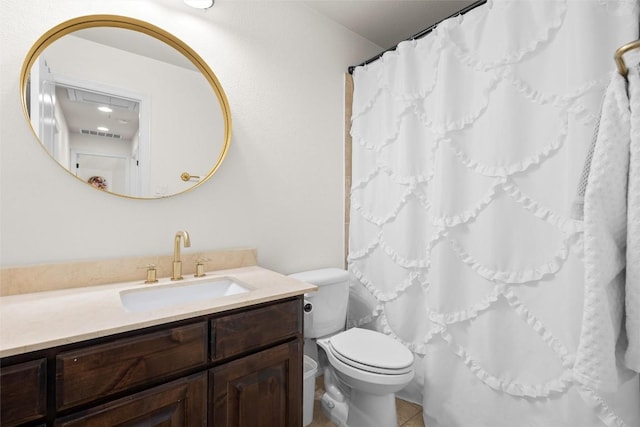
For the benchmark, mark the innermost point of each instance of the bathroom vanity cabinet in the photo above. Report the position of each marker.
(237, 368)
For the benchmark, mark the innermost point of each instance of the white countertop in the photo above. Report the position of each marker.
(40, 320)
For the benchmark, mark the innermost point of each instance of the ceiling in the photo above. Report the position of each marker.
(383, 22)
(387, 22)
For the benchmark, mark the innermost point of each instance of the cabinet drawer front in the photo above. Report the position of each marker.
(23, 392)
(93, 372)
(179, 403)
(245, 331)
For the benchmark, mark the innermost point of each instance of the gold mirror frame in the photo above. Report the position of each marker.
(128, 23)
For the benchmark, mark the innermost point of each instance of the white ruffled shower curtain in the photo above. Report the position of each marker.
(468, 147)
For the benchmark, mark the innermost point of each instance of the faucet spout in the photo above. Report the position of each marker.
(177, 261)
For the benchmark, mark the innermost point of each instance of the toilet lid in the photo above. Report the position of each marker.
(371, 351)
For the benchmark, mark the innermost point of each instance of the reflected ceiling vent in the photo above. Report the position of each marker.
(95, 98)
(98, 133)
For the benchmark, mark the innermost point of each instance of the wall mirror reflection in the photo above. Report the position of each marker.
(126, 107)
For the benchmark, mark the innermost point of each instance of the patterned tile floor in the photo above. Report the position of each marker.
(409, 414)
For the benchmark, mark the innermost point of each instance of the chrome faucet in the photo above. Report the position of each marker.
(177, 262)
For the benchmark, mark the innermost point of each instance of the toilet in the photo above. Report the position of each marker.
(363, 369)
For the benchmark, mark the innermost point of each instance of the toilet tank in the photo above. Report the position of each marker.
(329, 312)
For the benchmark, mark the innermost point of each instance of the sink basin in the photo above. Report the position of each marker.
(175, 293)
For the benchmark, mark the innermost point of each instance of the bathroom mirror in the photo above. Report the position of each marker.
(125, 106)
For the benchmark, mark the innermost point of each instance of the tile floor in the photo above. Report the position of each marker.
(409, 414)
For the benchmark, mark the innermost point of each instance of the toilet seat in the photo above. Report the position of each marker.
(371, 351)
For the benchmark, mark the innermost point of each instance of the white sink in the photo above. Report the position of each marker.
(175, 293)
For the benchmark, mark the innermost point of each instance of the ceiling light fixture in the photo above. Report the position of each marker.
(200, 4)
(103, 129)
(105, 109)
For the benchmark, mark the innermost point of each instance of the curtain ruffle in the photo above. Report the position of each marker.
(517, 276)
(477, 33)
(555, 386)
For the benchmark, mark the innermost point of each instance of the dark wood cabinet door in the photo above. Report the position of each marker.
(260, 390)
(23, 392)
(179, 403)
(101, 370)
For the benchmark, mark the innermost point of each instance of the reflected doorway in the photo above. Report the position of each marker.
(116, 170)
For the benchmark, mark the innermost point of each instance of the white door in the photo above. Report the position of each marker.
(114, 169)
(43, 108)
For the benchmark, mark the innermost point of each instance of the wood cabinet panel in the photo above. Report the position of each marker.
(23, 392)
(101, 370)
(176, 404)
(165, 376)
(245, 331)
(260, 390)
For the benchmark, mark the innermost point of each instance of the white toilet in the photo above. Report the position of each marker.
(366, 368)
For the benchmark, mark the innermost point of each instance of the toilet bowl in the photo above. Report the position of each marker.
(374, 367)
(365, 368)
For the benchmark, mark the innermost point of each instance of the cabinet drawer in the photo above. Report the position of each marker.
(246, 331)
(97, 371)
(179, 403)
(23, 390)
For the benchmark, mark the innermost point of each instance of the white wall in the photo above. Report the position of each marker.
(280, 189)
(92, 144)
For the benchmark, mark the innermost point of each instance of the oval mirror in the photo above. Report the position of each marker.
(125, 106)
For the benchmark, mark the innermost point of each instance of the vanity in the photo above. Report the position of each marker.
(234, 360)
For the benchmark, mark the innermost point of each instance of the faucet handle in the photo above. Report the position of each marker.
(151, 273)
(200, 267)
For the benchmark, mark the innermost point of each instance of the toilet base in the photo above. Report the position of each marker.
(335, 404)
(362, 411)
(358, 408)
(335, 410)
(370, 410)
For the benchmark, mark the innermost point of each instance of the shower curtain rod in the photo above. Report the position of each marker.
(420, 34)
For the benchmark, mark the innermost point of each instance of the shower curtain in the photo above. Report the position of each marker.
(468, 147)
